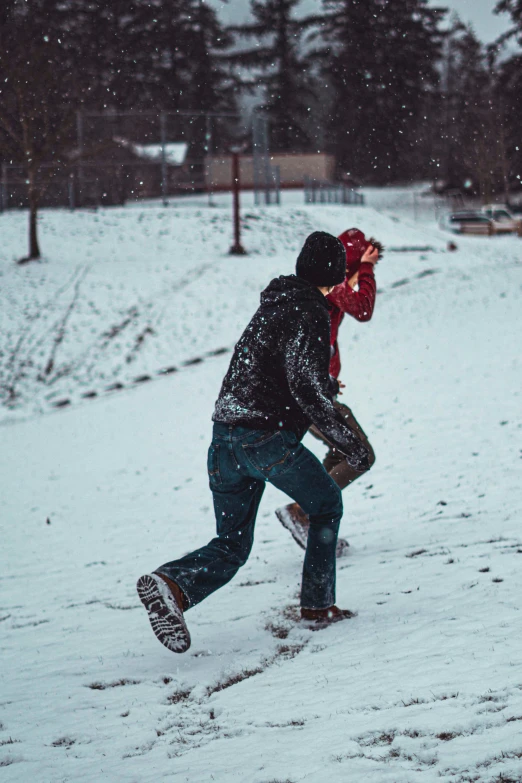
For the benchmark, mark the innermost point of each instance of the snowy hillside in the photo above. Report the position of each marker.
(126, 293)
(426, 683)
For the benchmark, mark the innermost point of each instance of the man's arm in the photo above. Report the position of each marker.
(359, 304)
(306, 365)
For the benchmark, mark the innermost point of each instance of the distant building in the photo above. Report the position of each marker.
(121, 170)
(175, 152)
(294, 168)
(111, 172)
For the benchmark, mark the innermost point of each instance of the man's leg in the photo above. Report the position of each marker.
(236, 501)
(180, 584)
(308, 484)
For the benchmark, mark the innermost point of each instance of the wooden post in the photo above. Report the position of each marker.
(237, 248)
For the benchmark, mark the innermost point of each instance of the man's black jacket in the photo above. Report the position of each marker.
(278, 376)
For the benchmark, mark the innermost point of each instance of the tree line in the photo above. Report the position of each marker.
(388, 87)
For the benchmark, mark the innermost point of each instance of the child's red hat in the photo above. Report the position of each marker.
(355, 245)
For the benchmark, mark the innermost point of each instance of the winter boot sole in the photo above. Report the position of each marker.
(165, 616)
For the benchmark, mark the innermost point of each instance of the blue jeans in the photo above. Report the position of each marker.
(240, 462)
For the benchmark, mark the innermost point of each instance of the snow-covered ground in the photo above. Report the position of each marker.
(426, 683)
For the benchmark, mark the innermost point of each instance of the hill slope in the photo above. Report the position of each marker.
(425, 684)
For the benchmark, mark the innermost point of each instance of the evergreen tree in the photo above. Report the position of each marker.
(514, 8)
(285, 73)
(466, 107)
(157, 55)
(211, 88)
(472, 116)
(509, 92)
(380, 57)
(509, 98)
(58, 56)
(150, 53)
(134, 52)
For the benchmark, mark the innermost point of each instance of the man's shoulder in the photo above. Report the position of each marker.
(312, 319)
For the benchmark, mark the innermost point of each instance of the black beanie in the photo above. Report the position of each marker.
(322, 261)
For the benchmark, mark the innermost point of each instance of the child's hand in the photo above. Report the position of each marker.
(371, 255)
(376, 244)
(341, 386)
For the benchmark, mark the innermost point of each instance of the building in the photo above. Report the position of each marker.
(294, 168)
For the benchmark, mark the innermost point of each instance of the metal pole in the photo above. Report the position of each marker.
(256, 157)
(266, 160)
(3, 188)
(80, 142)
(237, 248)
(71, 191)
(163, 131)
(278, 185)
(209, 153)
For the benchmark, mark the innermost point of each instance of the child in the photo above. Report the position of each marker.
(361, 256)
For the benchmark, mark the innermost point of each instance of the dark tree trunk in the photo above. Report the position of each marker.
(34, 197)
(34, 248)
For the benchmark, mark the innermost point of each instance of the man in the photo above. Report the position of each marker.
(277, 385)
(361, 257)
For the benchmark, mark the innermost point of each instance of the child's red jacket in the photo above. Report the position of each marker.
(358, 304)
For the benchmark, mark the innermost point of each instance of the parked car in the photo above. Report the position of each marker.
(503, 221)
(489, 220)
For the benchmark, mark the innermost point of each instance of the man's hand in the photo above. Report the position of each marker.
(371, 255)
(341, 386)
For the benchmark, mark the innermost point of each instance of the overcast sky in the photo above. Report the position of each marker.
(488, 26)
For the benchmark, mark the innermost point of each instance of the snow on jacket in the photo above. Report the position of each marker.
(359, 304)
(278, 375)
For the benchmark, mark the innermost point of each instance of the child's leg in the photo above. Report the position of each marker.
(335, 462)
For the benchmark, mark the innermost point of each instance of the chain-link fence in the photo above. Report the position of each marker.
(320, 192)
(123, 156)
(267, 178)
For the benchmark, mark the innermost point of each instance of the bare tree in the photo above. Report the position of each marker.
(37, 100)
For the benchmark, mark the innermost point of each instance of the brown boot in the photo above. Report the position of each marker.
(176, 591)
(294, 519)
(164, 602)
(321, 618)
